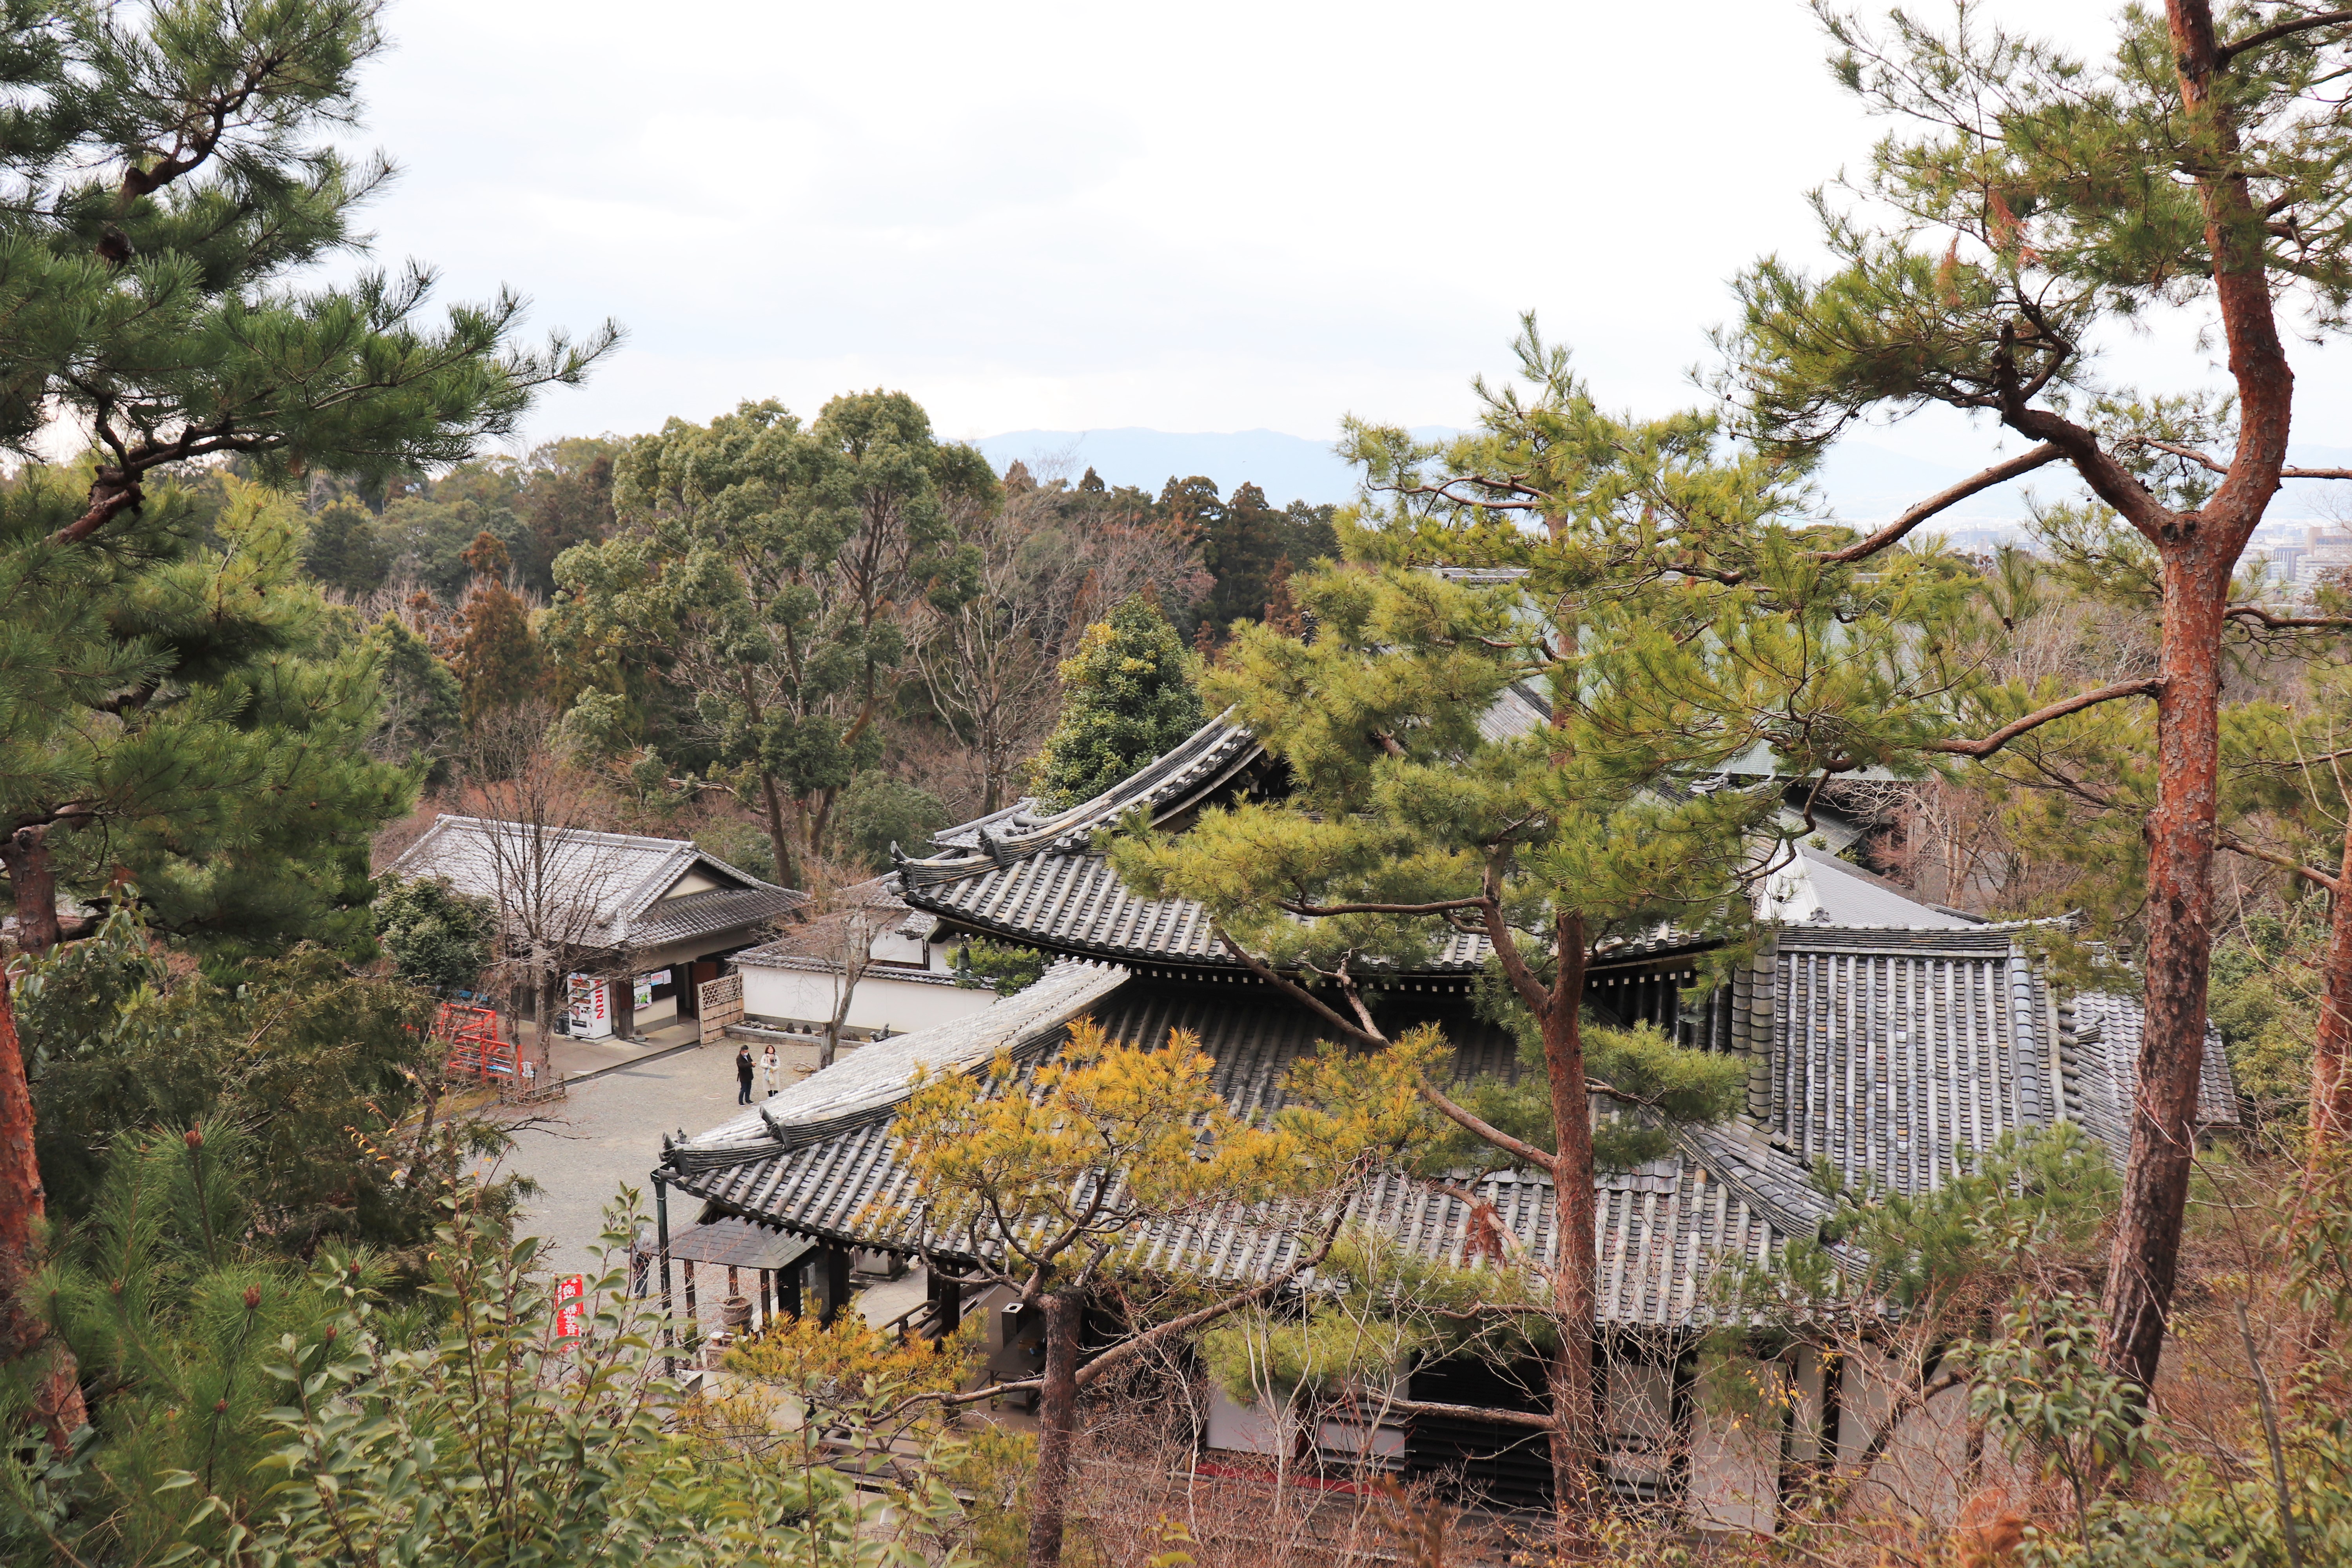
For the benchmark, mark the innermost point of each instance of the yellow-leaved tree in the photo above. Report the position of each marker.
(1059, 1176)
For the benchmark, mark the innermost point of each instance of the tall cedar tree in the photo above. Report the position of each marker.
(1131, 697)
(2039, 201)
(172, 189)
(499, 661)
(770, 569)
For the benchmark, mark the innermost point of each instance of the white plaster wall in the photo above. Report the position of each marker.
(1243, 1429)
(1923, 1471)
(880, 1001)
(891, 948)
(1735, 1462)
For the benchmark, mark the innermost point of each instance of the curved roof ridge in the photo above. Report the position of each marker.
(877, 1079)
(1204, 759)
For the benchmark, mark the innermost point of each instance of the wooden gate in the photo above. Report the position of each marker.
(721, 1002)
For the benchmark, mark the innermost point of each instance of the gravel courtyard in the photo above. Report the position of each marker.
(607, 1134)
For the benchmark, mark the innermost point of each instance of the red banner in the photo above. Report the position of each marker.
(570, 1306)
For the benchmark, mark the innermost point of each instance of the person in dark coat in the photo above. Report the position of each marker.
(743, 1076)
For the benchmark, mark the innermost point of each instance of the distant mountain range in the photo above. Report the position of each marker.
(1865, 483)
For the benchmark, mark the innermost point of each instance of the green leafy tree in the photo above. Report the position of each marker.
(254, 1411)
(2027, 203)
(334, 1073)
(174, 200)
(491, 1440)
(178, 1322)
(1000, 967)
(765, 568)
(879, 810)
(1130, 696)
(439, 938)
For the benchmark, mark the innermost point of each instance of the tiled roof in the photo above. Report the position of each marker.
(1889, 1051)
(2098, 1050)
(1897, 1050)
(1893, 1062)
(773, 957)
(616, 878)
(1071, 900)
(1207, 759)
(1662, 1226)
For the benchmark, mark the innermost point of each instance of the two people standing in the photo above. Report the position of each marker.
(743, 1073)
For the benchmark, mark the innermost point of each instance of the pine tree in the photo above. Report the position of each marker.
(2028, 205)
(1672, 624)
(174, 197)
(1131, 697)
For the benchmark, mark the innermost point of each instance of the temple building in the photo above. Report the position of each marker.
(1884, 1036)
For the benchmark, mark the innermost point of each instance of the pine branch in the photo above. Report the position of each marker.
(1295, 991)
(2287, 863)
(1480, 1129)
(1999, 473)
(2271, 35)
(1438, 908)
(2257, 616)
(2147, 686)
(2213, 464)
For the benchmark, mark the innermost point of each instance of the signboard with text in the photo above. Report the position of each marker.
(570, 1306)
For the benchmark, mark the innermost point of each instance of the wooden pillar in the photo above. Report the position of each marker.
(946, 1289)
(661, 1239)
(693, 1316)
(832, 1290)
(788, 1290)
(765, 1312)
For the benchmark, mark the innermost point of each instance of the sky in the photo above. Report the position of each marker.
(1213, 217)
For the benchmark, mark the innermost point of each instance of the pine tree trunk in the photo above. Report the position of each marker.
(1575, 1442)
(58, 1405)
(2330, 1115)
(1057, 1430)
(2144, 1264)
(33, 879)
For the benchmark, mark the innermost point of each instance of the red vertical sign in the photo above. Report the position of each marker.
(570, 1306)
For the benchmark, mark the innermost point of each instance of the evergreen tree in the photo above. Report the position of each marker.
(1673, 623)
(765, 572)
(202, 744)
(439, 939)
(333, 1073)
(423, 711)
(1131, 697)
(499, 661)
(2028, 205)
(173, 197)
(342, 551)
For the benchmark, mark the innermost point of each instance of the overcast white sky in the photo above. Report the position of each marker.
(1209, 218)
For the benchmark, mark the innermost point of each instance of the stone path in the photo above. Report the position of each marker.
(606, 1133)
